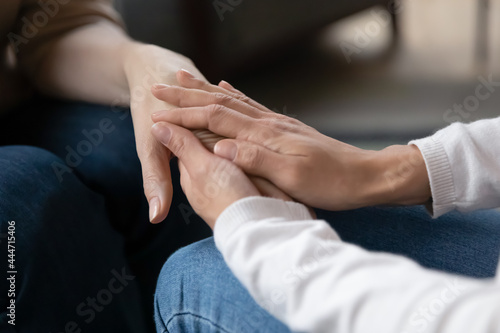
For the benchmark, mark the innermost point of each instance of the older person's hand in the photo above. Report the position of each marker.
(307, 165)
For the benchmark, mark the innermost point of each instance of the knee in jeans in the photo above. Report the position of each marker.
(189, 263)
(23, 165)
(32, 193)
(188, 260)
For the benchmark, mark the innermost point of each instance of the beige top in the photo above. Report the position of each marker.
(29, 26)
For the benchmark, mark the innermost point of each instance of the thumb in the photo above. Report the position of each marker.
(157, 182)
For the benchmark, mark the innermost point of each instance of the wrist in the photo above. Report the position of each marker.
(399, 177)
(146, 64)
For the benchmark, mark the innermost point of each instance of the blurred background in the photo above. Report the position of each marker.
(368, 72)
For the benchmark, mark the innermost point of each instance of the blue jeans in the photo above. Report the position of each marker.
(86, 255)
(197, 292)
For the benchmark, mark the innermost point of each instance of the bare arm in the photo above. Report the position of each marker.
(83, 53)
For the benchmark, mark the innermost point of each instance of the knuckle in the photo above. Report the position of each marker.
(243, 98)
(220, 98)
(150, 183)
(177, 145)
(216, 112)
(250, 156)
(149, 180)
(214, 109)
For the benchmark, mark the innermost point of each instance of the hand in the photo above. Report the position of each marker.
(310, 167)
(211, 183)
(150, 67)
(145, 66)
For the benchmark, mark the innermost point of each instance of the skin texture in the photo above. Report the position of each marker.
(310, 167)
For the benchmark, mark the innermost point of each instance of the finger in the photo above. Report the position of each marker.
(183, 97)
(252, 158)
(226, 85)
(268, 189)
(219, 120)
(229, 87)
(182, 143)
(157, 182)
(207, 138)
(185, 180)
(188, 80)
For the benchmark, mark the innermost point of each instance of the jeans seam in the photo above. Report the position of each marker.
(196, 316)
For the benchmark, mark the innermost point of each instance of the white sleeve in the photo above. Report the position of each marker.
(301, 272)
(463, 163)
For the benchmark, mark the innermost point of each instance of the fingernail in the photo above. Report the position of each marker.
(188, 73)
(162, 133)
(154, 209)
(160, 86)
(226, 149)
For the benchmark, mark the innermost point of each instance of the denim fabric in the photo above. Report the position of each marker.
(197, 292)
(66, 250)
(76, 232)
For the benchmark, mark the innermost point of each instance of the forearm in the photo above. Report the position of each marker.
(84, 64)
(100, 63)
(396, 175)
(399, 177)
(300, 271)
(458, 167)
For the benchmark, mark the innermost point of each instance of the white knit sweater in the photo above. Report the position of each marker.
(299, 270)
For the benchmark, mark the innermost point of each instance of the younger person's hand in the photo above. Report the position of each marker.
(211, 183)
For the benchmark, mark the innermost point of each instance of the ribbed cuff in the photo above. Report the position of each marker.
(252, 209)
(440, 174)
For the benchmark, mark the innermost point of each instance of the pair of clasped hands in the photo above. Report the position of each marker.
(230, 147)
